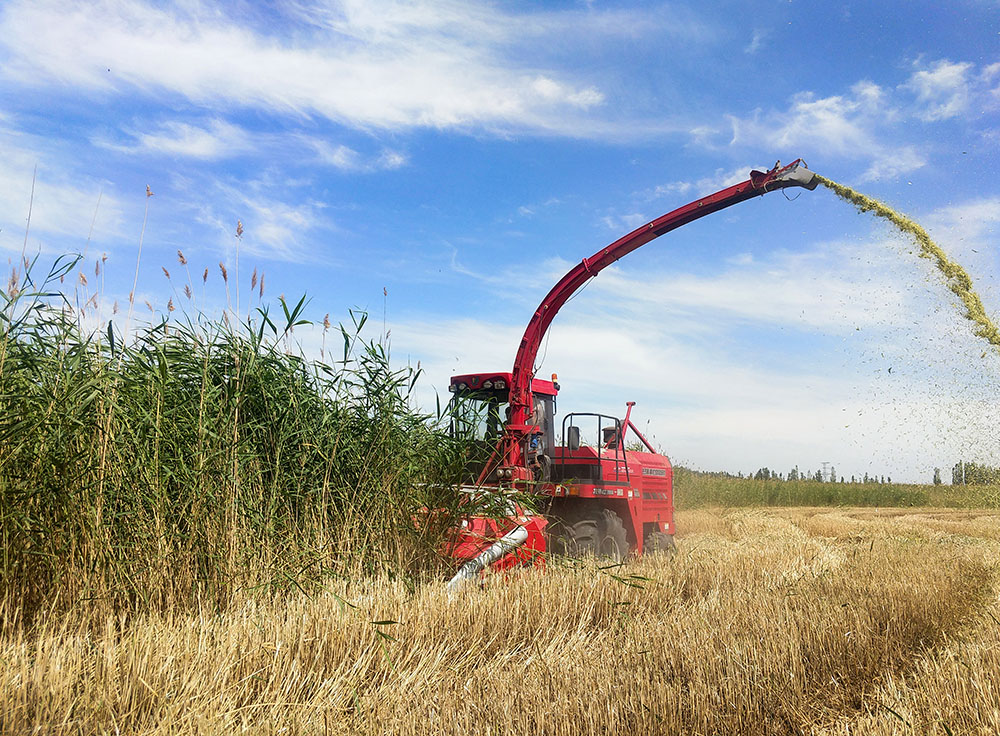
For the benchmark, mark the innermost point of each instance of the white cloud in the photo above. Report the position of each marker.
(624, 222)
(533, 209)
(703, 136)
(347, 159)
(834, 287)
(865, 123)
(813, 290)
(390, 160)
(968, 232)
(757, 42)
(840, 122)
(968, 220)
(277, 223)
(854, 126)
(554, 91)
(990, 81)
(942, 91)
(64, 202)
(721, 179)
(368, 65)
(890, 163)
(218, 139)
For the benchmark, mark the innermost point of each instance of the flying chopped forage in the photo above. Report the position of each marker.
(958, 279)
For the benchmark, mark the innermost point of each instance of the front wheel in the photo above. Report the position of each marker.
(614, 541)
(599, 533)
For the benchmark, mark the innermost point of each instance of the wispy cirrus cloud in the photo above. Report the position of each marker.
(279, 221)
(369, 66)
(720, 179)
(836, 287)
(216, 139)
(625, 222)
(968, 221)
(346, 158)
(756, 42)
(64, 203)
(805, 291)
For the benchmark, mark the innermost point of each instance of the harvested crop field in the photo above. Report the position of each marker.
(818, 621)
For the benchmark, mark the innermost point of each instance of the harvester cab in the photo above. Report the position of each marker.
(597, 492)
(480, 412)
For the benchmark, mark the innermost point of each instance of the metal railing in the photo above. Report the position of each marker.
(604, 422)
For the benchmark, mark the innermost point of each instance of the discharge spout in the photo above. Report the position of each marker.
(797, 174)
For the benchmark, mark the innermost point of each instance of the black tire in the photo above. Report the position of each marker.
(656, 542)
(613, 541)
(574, 538)
(599, 533)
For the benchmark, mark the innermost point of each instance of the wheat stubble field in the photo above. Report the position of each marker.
(818, 621)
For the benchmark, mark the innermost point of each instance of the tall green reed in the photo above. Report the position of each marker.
(199, 458)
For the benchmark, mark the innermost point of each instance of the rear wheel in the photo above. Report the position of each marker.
(656, 542)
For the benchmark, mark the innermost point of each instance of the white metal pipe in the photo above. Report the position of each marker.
(499, 549)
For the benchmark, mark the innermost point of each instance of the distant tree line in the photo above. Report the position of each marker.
(972, 474)
(819, 476)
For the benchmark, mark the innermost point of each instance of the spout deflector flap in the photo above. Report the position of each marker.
(797, 174)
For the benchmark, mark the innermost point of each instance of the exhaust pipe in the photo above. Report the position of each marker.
(499, 549)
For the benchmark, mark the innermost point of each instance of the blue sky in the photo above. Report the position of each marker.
(462, 156)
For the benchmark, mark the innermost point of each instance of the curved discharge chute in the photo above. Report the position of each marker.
(510, 451)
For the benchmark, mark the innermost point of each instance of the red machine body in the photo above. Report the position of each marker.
(596, 497)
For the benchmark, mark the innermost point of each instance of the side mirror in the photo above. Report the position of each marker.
(573, 438)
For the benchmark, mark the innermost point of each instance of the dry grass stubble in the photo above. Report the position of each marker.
(767, 622)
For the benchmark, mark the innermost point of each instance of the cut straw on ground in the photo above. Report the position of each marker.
(797, 621)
